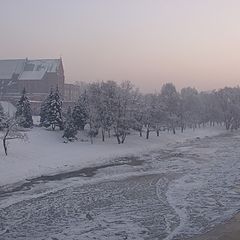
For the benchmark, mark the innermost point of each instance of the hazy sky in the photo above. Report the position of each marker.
(187, 42)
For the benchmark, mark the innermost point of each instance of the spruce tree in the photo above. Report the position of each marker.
(51, 111)
(24, 113)
(70, 130)
(80, 112)
(43, 113)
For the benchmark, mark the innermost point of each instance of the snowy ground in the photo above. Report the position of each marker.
(170, 193)
(45, 153)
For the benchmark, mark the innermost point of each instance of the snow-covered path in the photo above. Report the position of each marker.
(170, 193)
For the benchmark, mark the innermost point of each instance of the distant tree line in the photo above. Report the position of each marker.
(115, 109)
(109, 108)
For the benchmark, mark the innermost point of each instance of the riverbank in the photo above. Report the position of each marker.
(45, 153)
(226, 231)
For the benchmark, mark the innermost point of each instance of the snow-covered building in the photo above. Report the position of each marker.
(36, 76)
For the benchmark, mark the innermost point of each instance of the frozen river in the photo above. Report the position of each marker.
(171, 193)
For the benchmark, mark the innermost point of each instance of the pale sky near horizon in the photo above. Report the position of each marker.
(149, 42)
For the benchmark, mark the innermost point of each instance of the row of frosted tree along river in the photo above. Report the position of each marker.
(115, 109)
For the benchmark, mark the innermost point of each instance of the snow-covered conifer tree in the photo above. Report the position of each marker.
(70, 130)
(80, 112)
(24, 113)
(51, 111)
(44, 113)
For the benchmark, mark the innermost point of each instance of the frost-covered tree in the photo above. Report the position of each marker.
(225, 101)
(122, 111)
(210, 110)
(3, 118)
(159, 116)
(105, 106)
(149, 112)
(190, 108)
(24, 112)
(154, 117)
(229, 101)
(170, 99)
(70, 130)
(106, 109)
(11, 132)
(51, 111)
(93, 109)
(138, 113)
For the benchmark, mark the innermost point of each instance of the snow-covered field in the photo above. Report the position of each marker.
(45, 153)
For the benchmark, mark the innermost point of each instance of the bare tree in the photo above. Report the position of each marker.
(11, 132)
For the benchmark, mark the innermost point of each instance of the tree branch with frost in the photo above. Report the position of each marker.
(12, 132)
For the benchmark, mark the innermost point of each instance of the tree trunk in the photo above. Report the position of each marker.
(5, 146)
(118, 139)
(182, 128)
(227, 124)
(174, 131)
(147, 135)
(103, 135)
(5, 141)
(123, 138)
(117, 136)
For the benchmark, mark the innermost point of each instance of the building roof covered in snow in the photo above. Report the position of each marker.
(36, 69)
(28, 69)
(10, 67)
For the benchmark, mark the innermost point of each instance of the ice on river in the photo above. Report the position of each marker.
(173, 193)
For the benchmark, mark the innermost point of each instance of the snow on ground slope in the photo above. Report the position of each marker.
(45, 153)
